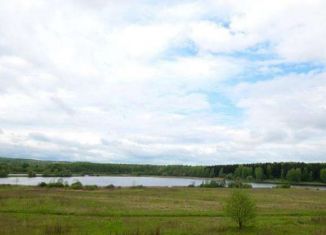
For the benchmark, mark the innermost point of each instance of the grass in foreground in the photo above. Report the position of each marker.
(32, 210)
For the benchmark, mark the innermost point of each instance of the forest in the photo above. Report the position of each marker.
(290, 171)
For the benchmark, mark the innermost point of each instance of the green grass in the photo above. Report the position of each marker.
(32, 210)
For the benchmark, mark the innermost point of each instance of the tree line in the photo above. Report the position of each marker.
(291, 171)
(49, 168)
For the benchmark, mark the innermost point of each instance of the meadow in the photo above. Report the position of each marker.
(138, 210)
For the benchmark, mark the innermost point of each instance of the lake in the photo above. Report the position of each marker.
(125, 181)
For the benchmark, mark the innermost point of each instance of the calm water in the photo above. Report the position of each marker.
(123, 181)
(126, 181)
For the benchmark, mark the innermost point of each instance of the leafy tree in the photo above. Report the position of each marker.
(3, 173)
(243, 171)
(259, 173)
(323, 175)
(310, 176)
(294, 175)
(269, 172)
(229, 176)
(306, 174)
(31, 174)
(246, 172)
(238, 171)
(282, 173)
(240, 208)
(4, 170)
(221, 173)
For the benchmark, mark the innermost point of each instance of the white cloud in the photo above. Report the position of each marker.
(286, 112)
(137, 82)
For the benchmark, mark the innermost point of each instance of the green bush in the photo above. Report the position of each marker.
(55, 184)
(250, 178)
(213, 184)
(283, 186)
(110, 186)
(90, 187)
(42, 184)
(192, 185)
(239, 184)
(31, 174)
(76, 185)
(240, 208)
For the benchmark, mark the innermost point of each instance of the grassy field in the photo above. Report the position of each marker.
(32, 210)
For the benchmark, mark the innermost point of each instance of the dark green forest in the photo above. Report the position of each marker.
(289, 171)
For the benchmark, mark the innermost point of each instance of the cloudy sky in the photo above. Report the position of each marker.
(163, 82)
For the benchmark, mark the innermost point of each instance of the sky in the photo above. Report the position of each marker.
(163, 82)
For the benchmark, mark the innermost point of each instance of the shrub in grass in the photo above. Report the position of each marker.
(76, 185)
(250, 178)
(213, 184)
(42, 184)
(192, 185)
(56, 184)
(283, 186)
(90, 187)
(240, 208)
(110, 186)
(239, 184)
(137, 186)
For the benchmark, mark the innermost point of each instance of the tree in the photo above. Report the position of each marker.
(282, 173)
(294, 175)
(243, 171)
(259, 173)
(221, 173)
(240, 208)
(3, 170)
(323, 175)
(269, 172)
(246, 172)
(3, 173)
(31, 174)
(238, 171)
(306, 174)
